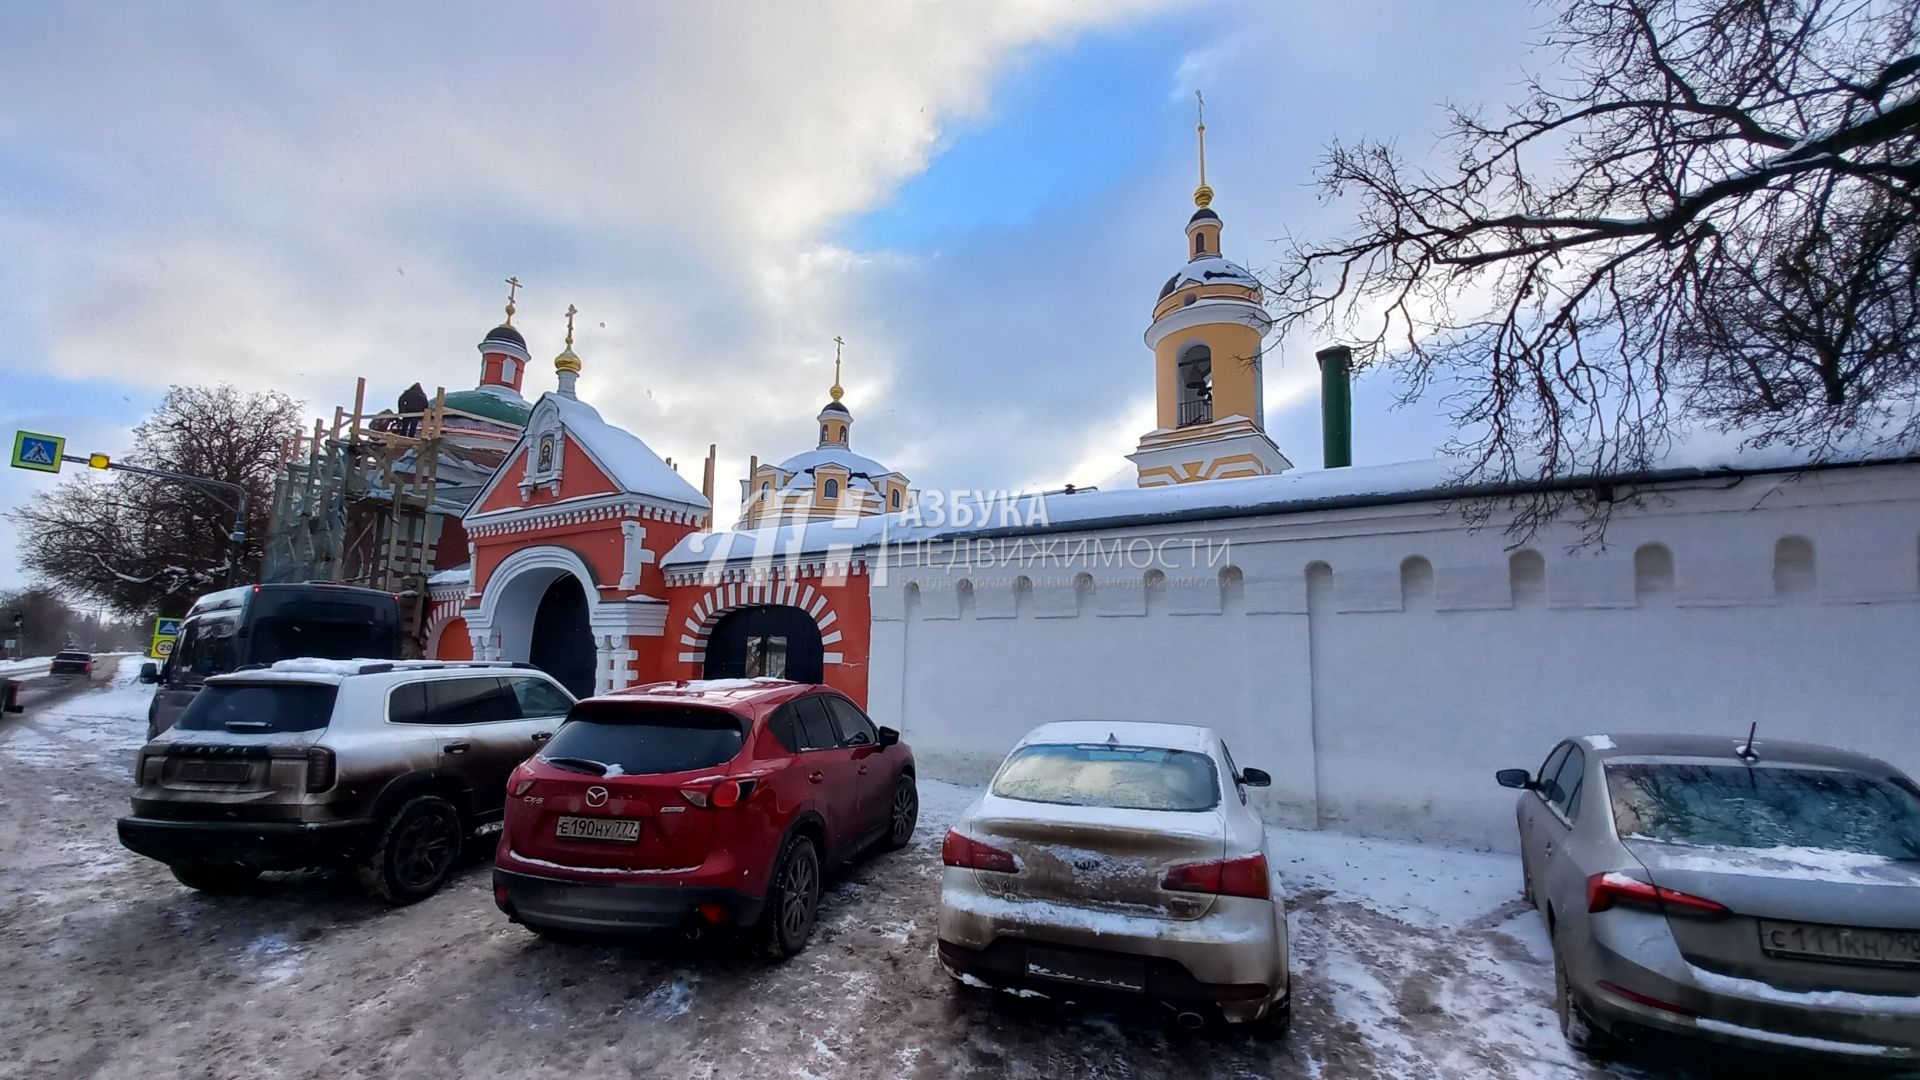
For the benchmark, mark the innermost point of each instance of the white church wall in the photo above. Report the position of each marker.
(1381, 663)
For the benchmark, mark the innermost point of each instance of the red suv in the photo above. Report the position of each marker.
(716, 803)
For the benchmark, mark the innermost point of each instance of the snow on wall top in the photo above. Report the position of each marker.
(629, 461)
(1295, 491)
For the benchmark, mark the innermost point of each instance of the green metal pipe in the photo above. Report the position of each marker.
(1336, 405)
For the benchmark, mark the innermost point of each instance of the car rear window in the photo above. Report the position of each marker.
(1764, 807)
(631, 740)
(1103, 774)
(263, 708)
(70, 656)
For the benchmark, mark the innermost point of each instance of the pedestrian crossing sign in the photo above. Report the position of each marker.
(40, 453)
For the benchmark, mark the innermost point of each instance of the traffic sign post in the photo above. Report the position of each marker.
(165, 632)
(44, 453)
(41, 453)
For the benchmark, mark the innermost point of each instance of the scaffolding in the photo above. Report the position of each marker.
(358, 503)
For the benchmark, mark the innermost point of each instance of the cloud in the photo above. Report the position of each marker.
(292, 196)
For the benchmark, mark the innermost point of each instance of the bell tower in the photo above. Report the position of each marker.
(1207, 332)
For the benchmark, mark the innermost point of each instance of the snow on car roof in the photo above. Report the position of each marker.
(1125, 732)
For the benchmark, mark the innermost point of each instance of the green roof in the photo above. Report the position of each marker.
(490, 405)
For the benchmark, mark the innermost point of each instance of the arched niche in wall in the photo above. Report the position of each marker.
(1653, 575)
(911, 598)
(1022, 595)
(1233, 591)
(1416, 583)
(1793, 569)
(1527, 577)
(963, 593)
(1154, 582)
(1082, 592)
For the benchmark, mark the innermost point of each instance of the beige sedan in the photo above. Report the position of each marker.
(1111, 858)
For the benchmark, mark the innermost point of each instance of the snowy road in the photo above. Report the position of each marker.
(1409, 961)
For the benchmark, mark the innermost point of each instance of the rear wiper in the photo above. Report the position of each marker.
(579, 764)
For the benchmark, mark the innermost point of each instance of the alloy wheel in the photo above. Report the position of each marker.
(906, 813)
(798, 891)
(423, 851)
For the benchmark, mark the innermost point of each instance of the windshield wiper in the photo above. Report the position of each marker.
(579, 764)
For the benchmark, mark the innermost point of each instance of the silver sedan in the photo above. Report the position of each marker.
(1110, 858)
(1762, 894)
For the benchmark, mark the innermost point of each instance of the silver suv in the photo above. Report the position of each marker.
(383, 767)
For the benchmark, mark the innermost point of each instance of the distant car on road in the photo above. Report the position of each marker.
(1119, 858)
(71, 663)
(717, 803)
(384, 768)
(1762, 894)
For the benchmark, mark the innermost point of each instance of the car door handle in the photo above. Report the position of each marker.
(457, 747)
(863, 770)
(542, 736)
(816, 777)
(1549, 849)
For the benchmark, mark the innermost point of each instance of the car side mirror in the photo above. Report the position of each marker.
(149, 672)
(889, 737)
(1515, 778)
(1255, 778)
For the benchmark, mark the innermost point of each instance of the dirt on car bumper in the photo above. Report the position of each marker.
(261, 845)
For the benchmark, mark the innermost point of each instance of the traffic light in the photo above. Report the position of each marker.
(99, 461)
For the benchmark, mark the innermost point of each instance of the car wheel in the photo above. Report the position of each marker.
(794, 900)
(416, 851)
(1580, 1032)
(904, 815)
(216, 879)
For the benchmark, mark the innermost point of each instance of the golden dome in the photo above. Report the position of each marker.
(567, 361)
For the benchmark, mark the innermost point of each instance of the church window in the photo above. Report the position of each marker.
(766, 489)
(831, 489)
(825, 433)
(1199, 243)
(896, 498)
(1196, 386)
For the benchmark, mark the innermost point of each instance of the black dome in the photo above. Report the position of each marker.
(1203, 214)
(506, 334)
(834, 406)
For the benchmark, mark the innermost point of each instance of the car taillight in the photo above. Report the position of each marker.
(1245, 876)
(522, 779)
(969, 854)
(1607, 890)
(731, 792)
(320, 768)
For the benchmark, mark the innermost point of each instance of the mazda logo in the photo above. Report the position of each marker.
(596, 796)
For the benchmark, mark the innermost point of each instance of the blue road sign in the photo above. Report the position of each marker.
(167, 627)
(40, 453)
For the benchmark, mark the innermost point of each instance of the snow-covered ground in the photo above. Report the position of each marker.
(1409, 960)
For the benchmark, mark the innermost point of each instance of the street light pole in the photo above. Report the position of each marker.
(239, 534)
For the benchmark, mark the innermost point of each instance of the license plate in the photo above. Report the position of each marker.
(215, 772)
(612, 830)
(1847, 944)
(1113, 973)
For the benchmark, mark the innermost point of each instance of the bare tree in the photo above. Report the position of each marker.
(145, 546)
(1706, 215)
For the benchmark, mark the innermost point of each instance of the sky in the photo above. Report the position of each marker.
(982, 197)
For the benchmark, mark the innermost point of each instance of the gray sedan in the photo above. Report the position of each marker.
(1762, 894)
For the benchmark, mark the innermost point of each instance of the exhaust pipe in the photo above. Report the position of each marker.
(1192, 1021)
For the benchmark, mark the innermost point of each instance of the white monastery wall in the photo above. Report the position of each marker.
(1383, 662)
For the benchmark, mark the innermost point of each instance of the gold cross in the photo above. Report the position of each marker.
(513, 286)
(838, 344)
(571, 312)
